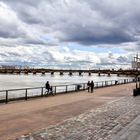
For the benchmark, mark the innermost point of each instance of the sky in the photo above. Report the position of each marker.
(69, 34)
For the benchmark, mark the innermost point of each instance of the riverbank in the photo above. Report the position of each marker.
(36, 92)
(18, 118)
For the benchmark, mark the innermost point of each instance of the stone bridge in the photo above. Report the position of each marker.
(70, 72)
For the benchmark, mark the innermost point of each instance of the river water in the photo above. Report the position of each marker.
(12, 81)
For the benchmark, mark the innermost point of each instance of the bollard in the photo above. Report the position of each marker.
(66, 88)
(42, 91)
(6, 96)
(97, 84)
(102, 84)
(52, 73)
(105, 83)
(55, 90)
(26, 94)
(84, 87)
(136, 92)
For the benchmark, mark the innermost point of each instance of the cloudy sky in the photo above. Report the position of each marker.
(70, 34)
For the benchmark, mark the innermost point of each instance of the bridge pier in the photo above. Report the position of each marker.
(26, 72)
(89, 73)
(52, 73)
(108, 74)
(61, 73)
(34, 72)
(80, 73)
(118, 74)
(70, 73)
(99, 74)
(3, 71)
(43, 72)
(11, 72)
(17, 72)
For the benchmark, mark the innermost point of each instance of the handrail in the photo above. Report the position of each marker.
(20, 89)
(58, 85)
(56, 90)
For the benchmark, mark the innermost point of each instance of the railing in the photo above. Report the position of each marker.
(26, 93)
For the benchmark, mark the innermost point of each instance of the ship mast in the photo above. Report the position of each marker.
(136, 62)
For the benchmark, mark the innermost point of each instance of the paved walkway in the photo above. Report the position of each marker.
(130, 132)
(71, 116)
(112, 121)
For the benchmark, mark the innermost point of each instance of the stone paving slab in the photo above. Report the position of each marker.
(103, 123)
(130, 132)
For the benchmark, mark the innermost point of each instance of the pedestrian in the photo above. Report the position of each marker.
(88, 85)
(78, 87)
(47, 86)
(92, 86)
(116, 82)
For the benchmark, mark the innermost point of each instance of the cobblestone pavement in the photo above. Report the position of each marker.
(99, 124)
(130, 132)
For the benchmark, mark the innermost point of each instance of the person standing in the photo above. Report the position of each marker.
(92, 86)
(88, 85)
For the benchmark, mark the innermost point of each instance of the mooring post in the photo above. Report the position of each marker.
(105, 83)
(75, 87)
(97, 84)
(42, 91)
(6, 96)
(26, 94)
(83, 86)
(66, 88)
(102, 84)
(55, 89)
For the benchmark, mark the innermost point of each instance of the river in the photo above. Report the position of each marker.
(12, 81)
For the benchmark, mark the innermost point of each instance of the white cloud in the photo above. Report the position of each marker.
(40, 31)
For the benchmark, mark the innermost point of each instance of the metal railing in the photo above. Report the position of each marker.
(26, 93)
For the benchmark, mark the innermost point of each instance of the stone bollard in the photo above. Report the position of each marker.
(136, 92)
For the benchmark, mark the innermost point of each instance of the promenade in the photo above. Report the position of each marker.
(104, 114)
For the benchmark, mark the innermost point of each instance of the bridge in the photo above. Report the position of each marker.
(70, 72)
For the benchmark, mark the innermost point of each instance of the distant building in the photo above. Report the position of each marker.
(10, 67)
(136, 62)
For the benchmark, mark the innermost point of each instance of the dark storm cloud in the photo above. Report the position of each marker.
(86, 22)
(33, 41)
(26, 10)
(28, 17)
(87, 38)
(10, 33)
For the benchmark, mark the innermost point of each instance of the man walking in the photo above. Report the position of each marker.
(92, 86)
